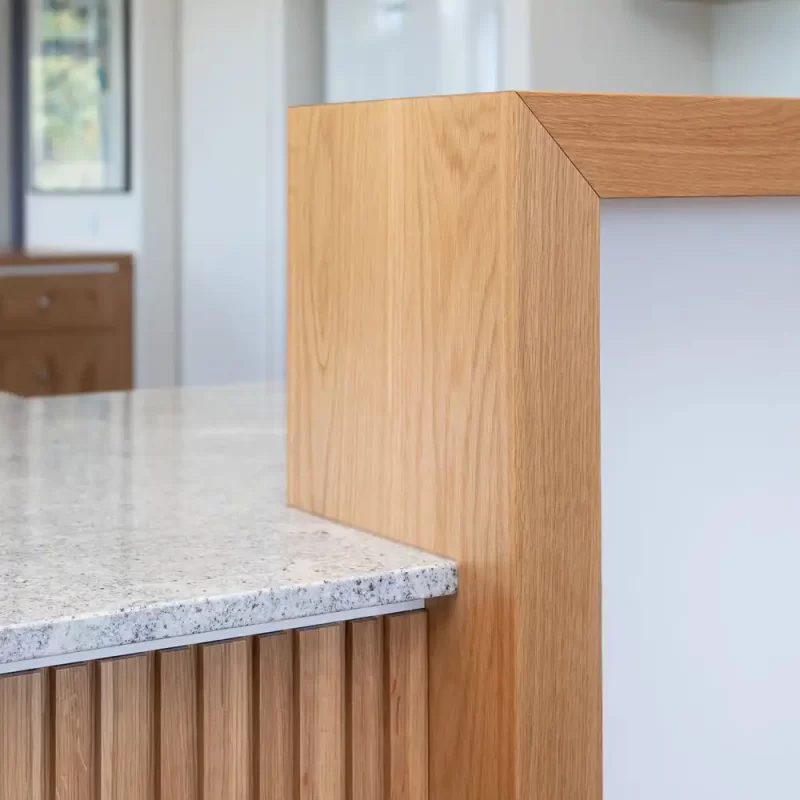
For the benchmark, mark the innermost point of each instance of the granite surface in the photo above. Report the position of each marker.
(128, 518)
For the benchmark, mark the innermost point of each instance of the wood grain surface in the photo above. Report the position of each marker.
(127, 764)
(276, 716)
(672, 146)
(288, 716)
(65, 333)
(439, 248)
(74, 734)
(399, 246)
(321, 713)
(555, 396)
(406, 636)
(227, 754)
(24, 762)
(178, 724)
(366, 709)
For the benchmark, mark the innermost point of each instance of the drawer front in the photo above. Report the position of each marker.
(58, 302)
(63, 364)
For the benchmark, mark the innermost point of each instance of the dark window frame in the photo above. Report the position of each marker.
(21, 112)
(19, 117)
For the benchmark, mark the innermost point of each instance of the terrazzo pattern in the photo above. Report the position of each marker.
(128, 518)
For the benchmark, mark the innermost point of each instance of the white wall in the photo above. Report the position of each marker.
(701, 509)
(157, 181)
(141, 221)
(6, 177)
(428, 48)
(757, 48)
(228, 110)
(305, 52)
(650, 46)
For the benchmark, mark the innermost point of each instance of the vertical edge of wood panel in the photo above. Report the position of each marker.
(321, 713)
(24, 736)
(178, 725)
(408, 735)
(74, 736)
(127, 728)
(276, 716)
(555, 470)
(366, 718)
(227, 724)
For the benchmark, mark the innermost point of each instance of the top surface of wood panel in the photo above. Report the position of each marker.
(676, 146)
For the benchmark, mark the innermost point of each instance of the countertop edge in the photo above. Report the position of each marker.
(153, 622)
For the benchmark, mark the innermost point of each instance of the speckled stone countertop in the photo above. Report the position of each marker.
(130, 518)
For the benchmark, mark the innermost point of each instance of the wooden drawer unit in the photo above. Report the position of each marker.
(65, 324)
(51, 302)
(61, 364)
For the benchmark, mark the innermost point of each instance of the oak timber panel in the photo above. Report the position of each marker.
(408, 699)
(400, 237)
(320, 713)
(555, 392)
(127, 764)
(24, 767)
(275, 681)
(366, 718)
(227, 717)
(438, 250)
(75, 756)
(672, 146)
(298, 714)
(178, 724)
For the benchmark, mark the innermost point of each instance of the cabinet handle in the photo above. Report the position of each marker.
(43, 302)
(43, 374)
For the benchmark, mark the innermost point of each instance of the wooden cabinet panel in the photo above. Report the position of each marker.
(57, 302)
(55, 364)
(74, 756)
(406, 638)
(227, 720)
(23, 726)
(321, 713)
(127, 771)
(178, 721)
(366, 717)
(331, 713)
(443, 390)
(276, 716)
(66, 324)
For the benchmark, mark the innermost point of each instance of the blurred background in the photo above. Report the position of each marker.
(157, 128)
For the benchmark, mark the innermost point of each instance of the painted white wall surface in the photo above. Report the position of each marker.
(756, 48)
(305, 52)
(392, 48)
(90, 222)
(650, 46)
(6, 176)
(157, 179)
(140, 221)
(226, 118)
(701, 510)
(516, 45)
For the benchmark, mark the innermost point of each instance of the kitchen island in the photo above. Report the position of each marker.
(169, 628)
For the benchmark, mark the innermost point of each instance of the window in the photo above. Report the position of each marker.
(78, 95)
